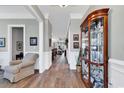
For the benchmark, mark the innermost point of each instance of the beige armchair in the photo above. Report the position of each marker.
(20, 69)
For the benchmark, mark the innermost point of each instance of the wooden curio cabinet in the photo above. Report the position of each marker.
(94, 49)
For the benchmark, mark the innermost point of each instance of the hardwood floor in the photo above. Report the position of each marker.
(58, 76)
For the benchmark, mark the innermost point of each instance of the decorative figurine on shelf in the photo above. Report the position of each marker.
(97, 76)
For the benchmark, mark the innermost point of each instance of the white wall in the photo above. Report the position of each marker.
(116, 73)
(4, 57)
(47, 48)
(72, 54)
(47, 35)
(31, 30)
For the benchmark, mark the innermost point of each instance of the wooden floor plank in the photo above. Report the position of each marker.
(58, 76)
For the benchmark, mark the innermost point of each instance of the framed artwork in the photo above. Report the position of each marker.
(19, 46)
(75, 45)
(76, 37)
(2, 42)
(33, 41)
(50, 41)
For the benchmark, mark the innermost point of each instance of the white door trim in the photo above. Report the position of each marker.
(10, 38)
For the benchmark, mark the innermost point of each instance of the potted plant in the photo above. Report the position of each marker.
(78, 65)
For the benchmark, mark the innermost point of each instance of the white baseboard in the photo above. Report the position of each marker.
(117, 65)
(116, 73)
(48, 59)
(4, 59)
(72, 59)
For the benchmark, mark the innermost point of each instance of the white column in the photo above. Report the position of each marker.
(41, 56)
(72, 55)
(69, 46)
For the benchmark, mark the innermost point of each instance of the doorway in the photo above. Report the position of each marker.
(17, 43)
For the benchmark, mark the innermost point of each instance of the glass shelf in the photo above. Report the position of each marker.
(97, 63)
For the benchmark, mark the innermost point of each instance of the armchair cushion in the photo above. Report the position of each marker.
(29, 59)
(26, 64)
(12, 69)
(15, 62)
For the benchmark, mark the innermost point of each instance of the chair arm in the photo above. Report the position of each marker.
(15, 62)
(26, 64)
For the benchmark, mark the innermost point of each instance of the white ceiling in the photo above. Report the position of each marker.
(14, 12)
(59, 17)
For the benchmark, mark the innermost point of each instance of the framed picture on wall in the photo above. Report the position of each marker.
(33, 41)
(2, 42)
(76, 37)
(75, 45)
(19, 46)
